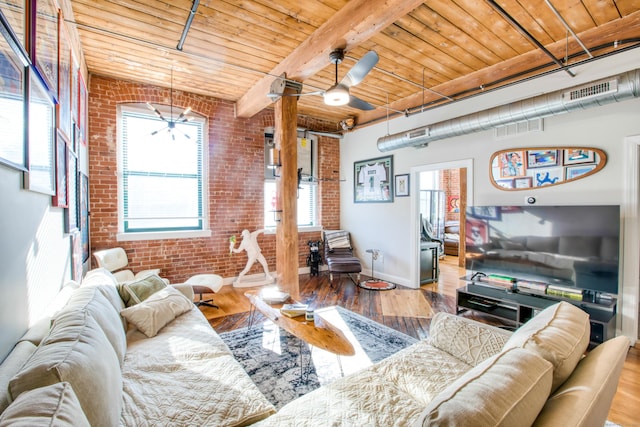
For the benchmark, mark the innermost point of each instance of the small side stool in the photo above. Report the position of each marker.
(205, 284)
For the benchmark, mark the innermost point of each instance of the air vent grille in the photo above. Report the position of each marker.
(418, 133)
(514, 129)
(591, 91)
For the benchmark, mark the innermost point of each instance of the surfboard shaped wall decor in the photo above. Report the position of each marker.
(526, 168)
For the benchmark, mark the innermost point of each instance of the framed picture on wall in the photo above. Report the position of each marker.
(40, 175)
(45, 48)
(372, 181)
(60, 199)
(13, 151)
(83, 193)
(402, 185)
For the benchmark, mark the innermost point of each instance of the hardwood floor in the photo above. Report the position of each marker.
(440, 296)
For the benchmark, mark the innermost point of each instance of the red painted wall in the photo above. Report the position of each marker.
(236, 165)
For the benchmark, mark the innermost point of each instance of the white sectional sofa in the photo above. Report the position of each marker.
(90, 368)
(173, 369)
(471, 374)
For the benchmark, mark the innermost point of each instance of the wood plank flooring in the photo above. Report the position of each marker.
(440, 296)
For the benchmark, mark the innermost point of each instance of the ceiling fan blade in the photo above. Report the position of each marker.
(358, 103)
(361, 69)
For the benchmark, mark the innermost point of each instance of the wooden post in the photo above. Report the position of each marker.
(286, 113)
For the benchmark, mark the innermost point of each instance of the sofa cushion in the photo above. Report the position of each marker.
(10, 366)
(52, 406)
(471, 342)
(137, 291)
(559, 334)
(590, 389)
(92, 300)
(78, 352)
(156, 311)
(337, 239)
(508, 389)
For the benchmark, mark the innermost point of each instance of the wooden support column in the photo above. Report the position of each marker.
(285, 135)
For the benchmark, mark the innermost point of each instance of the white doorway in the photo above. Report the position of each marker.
(414, 240)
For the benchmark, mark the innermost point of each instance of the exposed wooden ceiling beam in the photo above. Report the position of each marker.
(356, 22)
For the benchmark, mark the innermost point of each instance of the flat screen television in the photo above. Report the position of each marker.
(574, 246)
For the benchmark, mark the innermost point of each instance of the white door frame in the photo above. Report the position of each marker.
(630, 291)
(414, 237)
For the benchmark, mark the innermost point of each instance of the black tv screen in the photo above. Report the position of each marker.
(576, 246)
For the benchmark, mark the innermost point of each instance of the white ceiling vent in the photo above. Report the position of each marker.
(592, 90)
(519, 128)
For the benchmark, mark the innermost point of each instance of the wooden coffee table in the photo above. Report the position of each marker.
(317, 333)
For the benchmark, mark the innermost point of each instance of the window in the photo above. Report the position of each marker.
(307, 188)
(161, 173)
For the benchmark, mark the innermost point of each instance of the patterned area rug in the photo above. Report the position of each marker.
(271, 356)
(377, 285)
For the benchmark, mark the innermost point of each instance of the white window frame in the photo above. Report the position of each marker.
(122, 235)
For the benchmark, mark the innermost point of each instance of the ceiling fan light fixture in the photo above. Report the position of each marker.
(337, 95)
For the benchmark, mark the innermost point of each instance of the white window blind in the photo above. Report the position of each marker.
(162, 175)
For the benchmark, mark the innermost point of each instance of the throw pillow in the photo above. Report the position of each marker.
(337, 239)
(158, 310)
(54, 405)
(559, 334)
(508, 389)
(135, 292)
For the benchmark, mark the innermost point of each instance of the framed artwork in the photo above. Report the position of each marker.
(453, 203)
(15, 13)
(65, 124)
(83, 192)
(505, 183)
(574, 156)
(40, 175)
(71, 212)
(542, 158)
(511, 164)
(524, 182)
(75, 69)
(402, 185)
(60, 199)
(574, 172)
(45, 48)
(372, 180)
(547, 176)
(76, 256)
(13, 149)
(82, 108)
(546, 166)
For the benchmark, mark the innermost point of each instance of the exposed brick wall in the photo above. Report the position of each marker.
(450, 183)
(235, 182)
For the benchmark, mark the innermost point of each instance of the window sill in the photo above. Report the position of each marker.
(161, 235)
(272, 230)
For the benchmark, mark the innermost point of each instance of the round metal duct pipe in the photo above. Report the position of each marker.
(604, 91)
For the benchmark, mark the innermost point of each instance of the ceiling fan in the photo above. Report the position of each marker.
(338, 94)
(171, 122)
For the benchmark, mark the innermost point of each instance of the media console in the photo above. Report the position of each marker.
(516, 308)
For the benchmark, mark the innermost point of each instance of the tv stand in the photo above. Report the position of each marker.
(517, 308)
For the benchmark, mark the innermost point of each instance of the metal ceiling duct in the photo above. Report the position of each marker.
(605, 91)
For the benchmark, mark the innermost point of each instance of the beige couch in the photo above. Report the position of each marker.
(87, 371)
(472, 374)
(160, 363)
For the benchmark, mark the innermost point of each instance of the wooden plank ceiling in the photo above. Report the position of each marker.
(431, 52)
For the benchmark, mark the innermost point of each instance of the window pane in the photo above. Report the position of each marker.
(307, 215)
(162, 173)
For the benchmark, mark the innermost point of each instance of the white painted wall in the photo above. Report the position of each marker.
(389, 226)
